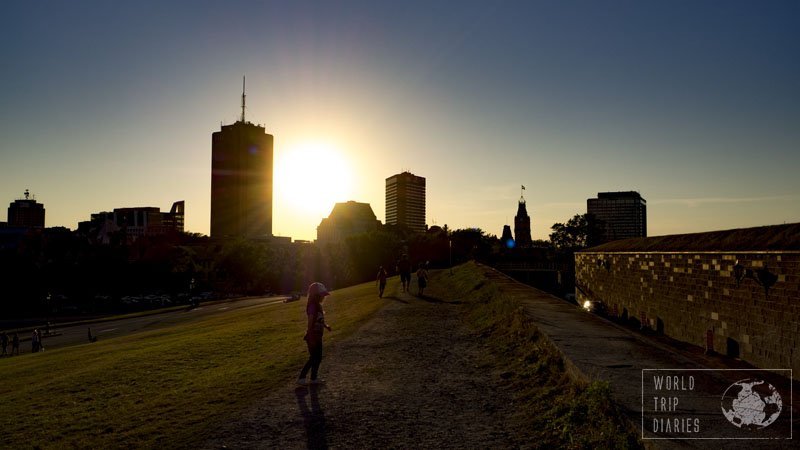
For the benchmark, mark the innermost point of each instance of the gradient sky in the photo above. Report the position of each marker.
(695, 104)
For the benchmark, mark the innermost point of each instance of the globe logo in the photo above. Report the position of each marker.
(751, 404)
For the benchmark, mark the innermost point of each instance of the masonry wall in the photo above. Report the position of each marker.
(684, 294)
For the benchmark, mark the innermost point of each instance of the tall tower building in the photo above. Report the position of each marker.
(26, 213)
(405, 201)
(241, 180)
(522, 224)
(620, 215)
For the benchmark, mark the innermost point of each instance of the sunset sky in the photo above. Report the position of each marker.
(695, 104)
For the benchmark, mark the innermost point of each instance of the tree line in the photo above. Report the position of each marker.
(56, 272)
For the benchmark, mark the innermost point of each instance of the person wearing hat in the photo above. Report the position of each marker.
(313, 337)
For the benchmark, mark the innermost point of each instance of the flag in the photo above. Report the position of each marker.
(523, 187)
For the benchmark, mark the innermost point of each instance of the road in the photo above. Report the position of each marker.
(64, 336)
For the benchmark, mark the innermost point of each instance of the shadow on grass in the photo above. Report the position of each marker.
(397, 299)
(431, 299)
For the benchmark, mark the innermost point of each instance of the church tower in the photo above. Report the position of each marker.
(522, 224)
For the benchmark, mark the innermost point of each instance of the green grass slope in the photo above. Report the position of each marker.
(162, 388)
(167, 388)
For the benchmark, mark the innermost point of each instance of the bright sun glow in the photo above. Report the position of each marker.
(311, 177)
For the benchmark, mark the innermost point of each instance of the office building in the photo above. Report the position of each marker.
(241, 180)
(522, 225)
(26, 213)
(133, 223)
(346, 219)
(617, 215)
(405, 201)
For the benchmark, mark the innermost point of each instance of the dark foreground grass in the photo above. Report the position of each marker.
(164, 388)
(169, 388)
(553, 411)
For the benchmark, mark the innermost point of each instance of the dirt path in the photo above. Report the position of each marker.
(412, 377)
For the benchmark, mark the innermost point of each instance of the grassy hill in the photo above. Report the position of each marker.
(168, 388)
(161, 388)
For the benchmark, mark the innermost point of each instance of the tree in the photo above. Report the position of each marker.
(579, 232)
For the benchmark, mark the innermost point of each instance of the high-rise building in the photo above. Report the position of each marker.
(346, 219)
(522, 225)
(405, 201)
(241, 180)
(617, 215)
(26, 213)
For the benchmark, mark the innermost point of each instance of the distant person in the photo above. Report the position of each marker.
(41, 340)
(381, 280)
(15, 344)
(404, 269)
(35, 341)
(422, 278)
(91, 338)
(4, 343)
(314, 330)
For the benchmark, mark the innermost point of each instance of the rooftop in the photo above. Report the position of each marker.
(771, 237)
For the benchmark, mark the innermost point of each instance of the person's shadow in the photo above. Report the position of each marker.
(313, 417)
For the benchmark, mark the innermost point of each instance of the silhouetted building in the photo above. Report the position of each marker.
(507, 239)
(620, 215)
(26, 213)
(405, 201)
(522, 225)
(132, 223)
(346, 219)
(241, 180)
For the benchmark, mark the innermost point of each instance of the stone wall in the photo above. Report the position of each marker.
(750, 300)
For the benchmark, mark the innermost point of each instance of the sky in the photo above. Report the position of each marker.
(694, 104)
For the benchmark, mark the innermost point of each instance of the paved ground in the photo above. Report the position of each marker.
(412, 377)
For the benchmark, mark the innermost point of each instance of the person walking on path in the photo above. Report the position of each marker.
(35, 341)
(15, 344)
(381, 280)
(422, 278)
(4, 342)
(314, 330)
(41, 339)
(404, 269)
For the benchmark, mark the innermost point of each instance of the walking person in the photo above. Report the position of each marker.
(15, 344)
(381, 280)
(314, 330)
(404, 269)
(41, 340)
(4, 342)
(422, 278)
(35, 341)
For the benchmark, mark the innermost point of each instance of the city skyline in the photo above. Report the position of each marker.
(695, 106)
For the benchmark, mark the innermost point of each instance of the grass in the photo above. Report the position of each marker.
(167, 387)
(159, 388)
(552, 410)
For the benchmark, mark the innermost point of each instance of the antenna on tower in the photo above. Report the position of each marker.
(243, 97)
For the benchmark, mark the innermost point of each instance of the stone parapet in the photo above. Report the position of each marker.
(745, 303)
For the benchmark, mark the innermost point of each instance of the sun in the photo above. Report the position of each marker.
(310, 177)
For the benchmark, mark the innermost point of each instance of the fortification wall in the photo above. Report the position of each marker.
(749, 300)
